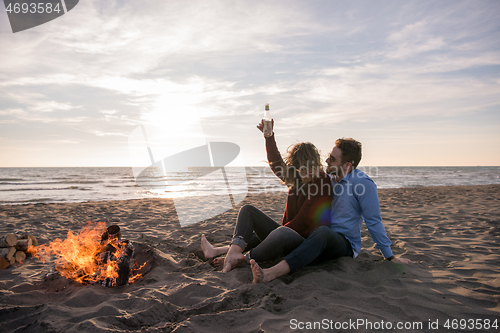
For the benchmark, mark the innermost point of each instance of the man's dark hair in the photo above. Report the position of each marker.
(351, 150)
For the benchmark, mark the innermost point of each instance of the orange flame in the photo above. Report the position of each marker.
(79, 256)
(32, 250)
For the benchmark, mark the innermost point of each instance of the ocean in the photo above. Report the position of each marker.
(72, 184)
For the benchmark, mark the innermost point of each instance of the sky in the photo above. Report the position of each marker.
(416, 82)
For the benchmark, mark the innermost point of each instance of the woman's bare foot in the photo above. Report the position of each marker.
(234, 258)
(257, 272)
(219, 262)
(211, 251)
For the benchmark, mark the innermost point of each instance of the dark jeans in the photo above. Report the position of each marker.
(281, 241)
(323, 243)
(265, 239)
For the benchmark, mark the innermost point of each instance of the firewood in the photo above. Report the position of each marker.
(8, 240)
(7, 252)
(34, 241)
(124, 266)
(23, 244)
(4, 263)
(112, 232)
(20, 256)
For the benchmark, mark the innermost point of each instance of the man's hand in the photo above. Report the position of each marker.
(401, 261)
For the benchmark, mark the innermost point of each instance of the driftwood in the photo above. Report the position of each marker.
(8, 240)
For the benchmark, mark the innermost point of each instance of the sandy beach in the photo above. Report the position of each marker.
(451, 233)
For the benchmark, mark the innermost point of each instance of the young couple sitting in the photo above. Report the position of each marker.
(322, 219)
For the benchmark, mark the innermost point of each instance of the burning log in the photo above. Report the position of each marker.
(8, 240)
(112, 232)
(125, 251)
(96, 255)
(124, 266)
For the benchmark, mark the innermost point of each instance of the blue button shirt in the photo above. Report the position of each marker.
(355, 199)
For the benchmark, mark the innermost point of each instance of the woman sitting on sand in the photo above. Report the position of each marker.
(307, 207)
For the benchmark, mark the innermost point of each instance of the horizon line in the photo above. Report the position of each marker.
(261, 166)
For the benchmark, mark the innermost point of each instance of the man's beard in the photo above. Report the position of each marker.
(334, 171)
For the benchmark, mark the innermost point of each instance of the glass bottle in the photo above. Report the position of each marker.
(268, 125)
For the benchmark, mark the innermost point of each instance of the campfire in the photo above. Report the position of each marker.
(96, 255)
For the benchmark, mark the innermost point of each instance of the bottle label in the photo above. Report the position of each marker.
(268, 128)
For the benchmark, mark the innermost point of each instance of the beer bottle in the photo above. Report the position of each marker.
(268, 125)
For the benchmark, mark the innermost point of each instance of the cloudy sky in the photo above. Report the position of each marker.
(417, 82)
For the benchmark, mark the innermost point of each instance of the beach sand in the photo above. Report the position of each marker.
(451, 233)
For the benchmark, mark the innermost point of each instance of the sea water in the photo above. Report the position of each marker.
(71, 184)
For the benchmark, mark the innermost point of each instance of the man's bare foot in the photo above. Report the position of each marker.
(402, 261)
(268, 274)
(234, 258)
(257, 272)
(232, 261)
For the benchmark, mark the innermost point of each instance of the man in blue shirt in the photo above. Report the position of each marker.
(355, 199)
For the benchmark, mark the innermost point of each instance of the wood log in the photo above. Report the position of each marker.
(4, 263)
(20, 256)
(34, 241)
(7, 252)
(112, 232)
(23, 244)
(8, 240)
(124, 266)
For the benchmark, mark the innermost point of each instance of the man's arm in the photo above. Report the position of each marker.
(370, 209)
(367, 195)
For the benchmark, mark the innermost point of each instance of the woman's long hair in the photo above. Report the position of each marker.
(301, 155)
